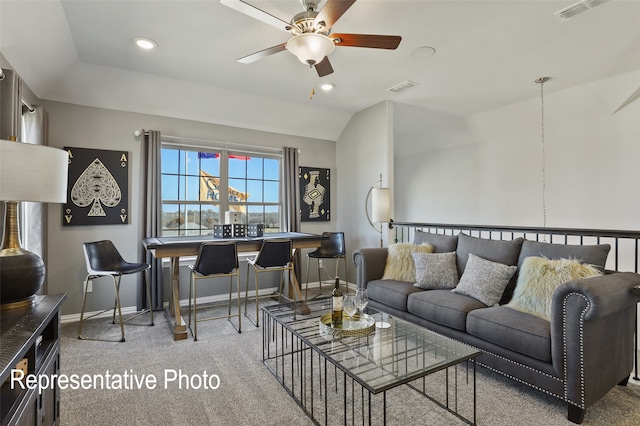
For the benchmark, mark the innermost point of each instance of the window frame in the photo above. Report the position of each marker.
(223, 204)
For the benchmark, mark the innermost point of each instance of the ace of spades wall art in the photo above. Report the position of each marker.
(98, 188)
(315, 202)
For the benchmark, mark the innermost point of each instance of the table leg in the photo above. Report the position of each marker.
(295, 293)
(173, 312)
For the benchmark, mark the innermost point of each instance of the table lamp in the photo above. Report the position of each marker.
(27, 173)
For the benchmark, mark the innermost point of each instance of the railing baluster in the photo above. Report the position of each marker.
(405, 230)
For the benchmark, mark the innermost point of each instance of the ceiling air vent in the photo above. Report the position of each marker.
(401, 87)
(578, 8)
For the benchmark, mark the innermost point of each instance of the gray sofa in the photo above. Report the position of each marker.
(579, 354)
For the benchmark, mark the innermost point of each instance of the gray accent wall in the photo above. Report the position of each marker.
(88, 127)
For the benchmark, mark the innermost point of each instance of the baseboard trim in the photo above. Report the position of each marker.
(127, 310)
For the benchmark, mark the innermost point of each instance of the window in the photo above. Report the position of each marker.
(199, 185)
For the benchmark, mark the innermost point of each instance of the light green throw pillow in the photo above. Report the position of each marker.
(540, 277)
(400, 266)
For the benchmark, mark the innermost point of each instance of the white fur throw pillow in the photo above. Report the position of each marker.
(435, 270)
(540, 277)
(399, 266)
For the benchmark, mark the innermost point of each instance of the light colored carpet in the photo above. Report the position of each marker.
(249, 395)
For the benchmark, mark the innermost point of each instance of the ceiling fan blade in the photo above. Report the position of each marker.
(367, 40)
(254, 12)
(324, 67)
(262, 54)
(331, 12)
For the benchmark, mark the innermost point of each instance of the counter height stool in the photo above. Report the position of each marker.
(274, 255)
(103, 259)
(215, 260)
(331, 247)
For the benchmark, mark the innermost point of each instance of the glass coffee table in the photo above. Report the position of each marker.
(343, 376)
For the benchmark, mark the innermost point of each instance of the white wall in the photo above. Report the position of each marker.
(364, 151)
(487, 168)
(86, 127)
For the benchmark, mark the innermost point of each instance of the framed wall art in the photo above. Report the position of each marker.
(315, 200)
(98, 187)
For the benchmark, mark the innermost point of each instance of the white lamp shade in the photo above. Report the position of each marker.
(380, 205)
(310, 48)
(32, 172)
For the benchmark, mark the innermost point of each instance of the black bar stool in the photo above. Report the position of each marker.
(274, 255)
(331, 247)
(103, 259)
(215, 259)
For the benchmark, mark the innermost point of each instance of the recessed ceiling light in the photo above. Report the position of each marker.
(145, 43)
(327, 86)
(422, 52)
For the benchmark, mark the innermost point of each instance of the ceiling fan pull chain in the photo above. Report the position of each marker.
(313, 90)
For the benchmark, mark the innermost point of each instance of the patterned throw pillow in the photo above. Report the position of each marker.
(436, 270)
(540, 277)
(484, 280)
(399, 266)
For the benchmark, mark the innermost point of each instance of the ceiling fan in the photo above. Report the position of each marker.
(311, 39)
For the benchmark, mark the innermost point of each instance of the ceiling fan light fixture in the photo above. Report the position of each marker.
(310, 48)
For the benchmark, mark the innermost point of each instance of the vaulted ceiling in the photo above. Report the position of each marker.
(487, 54)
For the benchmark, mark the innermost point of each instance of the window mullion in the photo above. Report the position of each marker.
(224, 184)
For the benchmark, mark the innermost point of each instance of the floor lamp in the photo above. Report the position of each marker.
(380, 206)
(27, 173)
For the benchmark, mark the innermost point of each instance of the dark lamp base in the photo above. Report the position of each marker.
(21, 276)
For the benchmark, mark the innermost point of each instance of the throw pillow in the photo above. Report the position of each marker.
(436, 270)
(399, 266)
(501, 251)
(484, 280)
(538, 280)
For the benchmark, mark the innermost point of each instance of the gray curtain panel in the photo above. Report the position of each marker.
(150, 202)
(291, 201)
(10, 105)
(35, 132)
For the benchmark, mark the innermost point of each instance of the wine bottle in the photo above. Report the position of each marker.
(336, 305)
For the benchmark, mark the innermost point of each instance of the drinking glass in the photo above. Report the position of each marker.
(361, 299)
(349, 306)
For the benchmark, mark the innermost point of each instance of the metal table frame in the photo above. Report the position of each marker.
(318, 380)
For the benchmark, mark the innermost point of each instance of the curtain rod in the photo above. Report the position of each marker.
(203, 143)
(28, 105)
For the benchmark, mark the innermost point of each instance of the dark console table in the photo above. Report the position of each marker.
(30, 338)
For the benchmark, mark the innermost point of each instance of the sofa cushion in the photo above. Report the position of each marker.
(399, 266)
(511, 329)
(595, 255)
(441, 243)
(484, 280)
(435, 270)
(443, 307)
(391, 293)
(501, 251)
(540, 277)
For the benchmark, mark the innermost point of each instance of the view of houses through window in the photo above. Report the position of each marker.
(199, 186)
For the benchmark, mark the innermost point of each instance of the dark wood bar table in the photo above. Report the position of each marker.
(175, 247)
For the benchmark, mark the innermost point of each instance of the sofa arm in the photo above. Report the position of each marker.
(592, 332)
(370, 263)
(606, 294)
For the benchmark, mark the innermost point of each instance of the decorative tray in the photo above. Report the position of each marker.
(357, 325)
